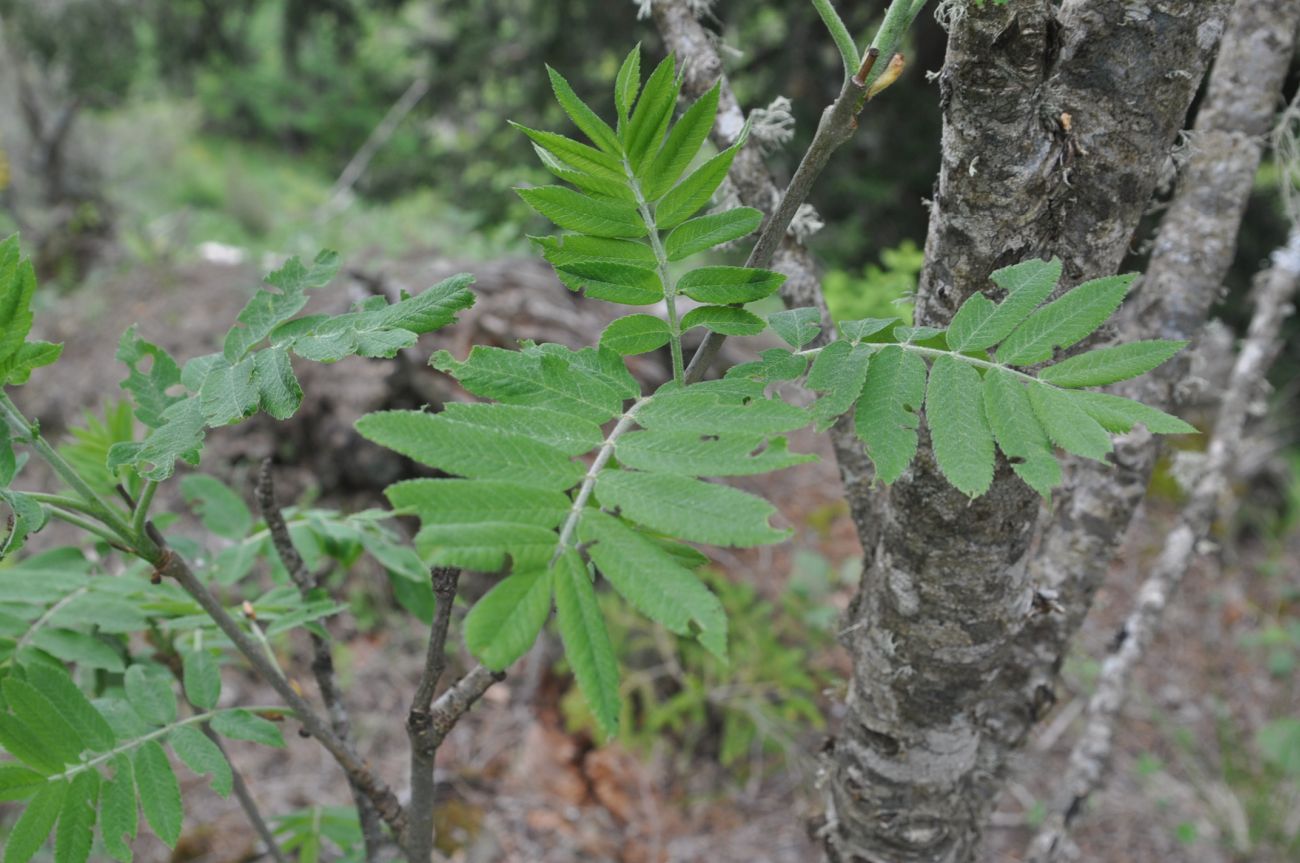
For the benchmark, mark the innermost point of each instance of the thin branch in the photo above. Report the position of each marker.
(172, 565)
(838, 123)
(456, 701)
(322, 664)
(246, 801)
(378, 137)
(1091, 753)
(419, 722)
(141, 512)
(840, 33)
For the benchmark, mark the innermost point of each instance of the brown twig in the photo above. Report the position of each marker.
(1091, 754)
(419, 722)
(322, 664)
(359, 773)
(246, 801)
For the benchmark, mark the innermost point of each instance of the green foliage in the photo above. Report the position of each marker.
(762, 702)
(62, 743)
(228, 387)
(878, 290)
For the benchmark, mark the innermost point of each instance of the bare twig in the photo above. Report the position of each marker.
(1091, 754)
(377, 138)
(757, 187)
(322, 664)
(838, 123)
(171, 565)
(456, 701)
(246, 801)
(419, 722)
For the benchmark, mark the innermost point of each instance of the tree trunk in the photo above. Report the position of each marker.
(1056, 122)
(1191, 257)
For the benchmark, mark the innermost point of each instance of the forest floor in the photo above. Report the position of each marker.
(521, 783)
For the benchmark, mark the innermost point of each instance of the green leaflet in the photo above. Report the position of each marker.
(1064, 322)
(202, 756)
(839, 371)
(201, 677)
(118, 816)
(959, 433)
(160, 794)
(469, 450)
(654, 582)
(150, 391)
(221, 510)
(887, 414)
(34, 825)
(652, 114)
(684, 141)
(574, 211)
(70, 703)
(504, 624)
(569, 434)
(76, 831)
(627, 83)
(45, 727)
(464, 501)
(586, 641)
(711, 406)
(483, 546)
(19, 783)
(724, 285)
(267, 310)
(1069, 425)
(727, 320)
(1015, 427)
(589, 384)
(582, 116)
(1109, 365)
(597, 185)
(704, 232)
(692, 454)
(980, 324)
(695, 191)
(579, 156)
(636, 334)
(1118, 414)
(858, 331)
(796, 327)
(242, 725)
(150, 695)
(775, 364)
(689, 508)
(17, 286)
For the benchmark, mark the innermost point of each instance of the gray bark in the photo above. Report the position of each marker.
(1056, 122)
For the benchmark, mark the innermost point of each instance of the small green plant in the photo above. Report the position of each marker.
(566, 476)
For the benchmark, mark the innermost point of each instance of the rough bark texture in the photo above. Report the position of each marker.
(1195, 247)
(1056, 122)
